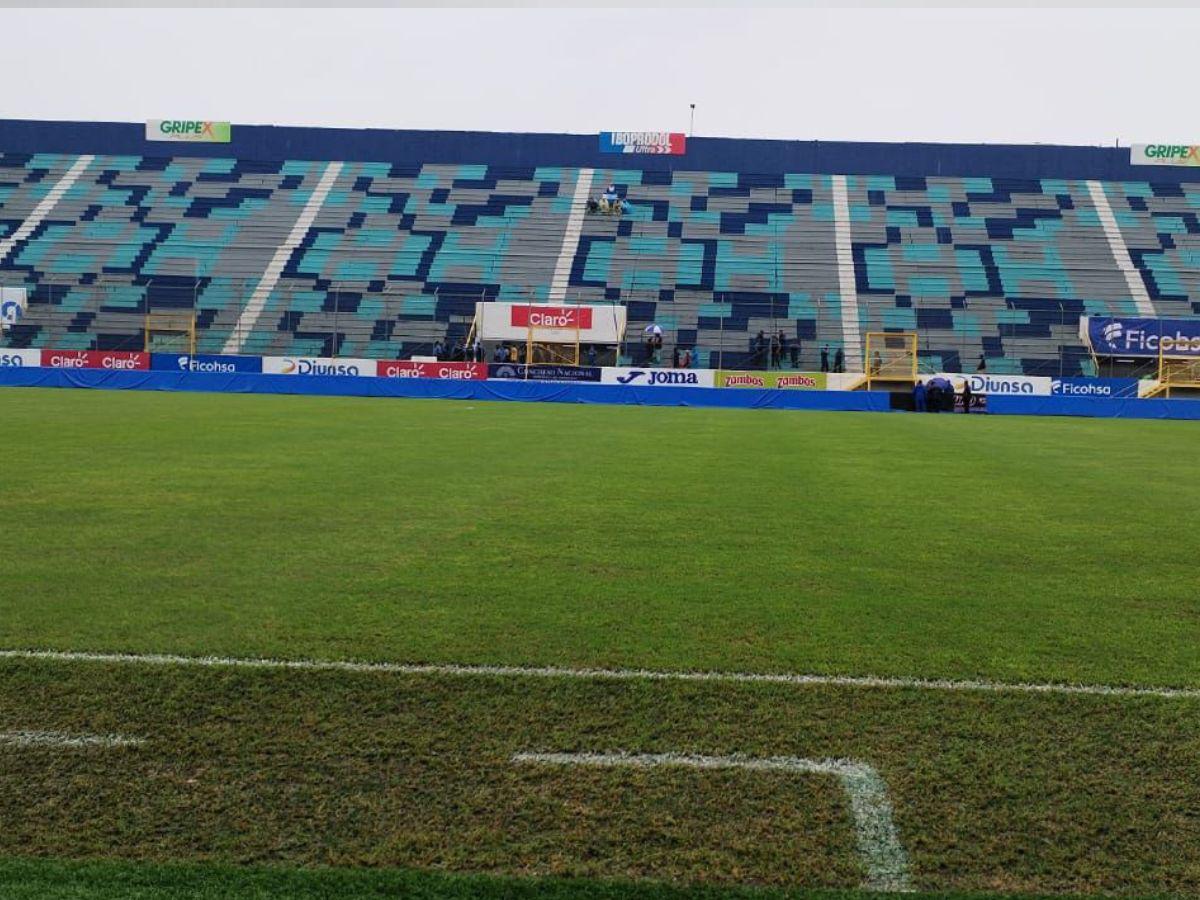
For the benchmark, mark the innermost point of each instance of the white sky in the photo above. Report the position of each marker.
(1068, 76)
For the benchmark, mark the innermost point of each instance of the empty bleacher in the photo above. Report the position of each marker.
(398, 251)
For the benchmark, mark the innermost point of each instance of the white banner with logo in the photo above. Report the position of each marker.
(590, 324)
(15, 359)
(317, 365)
(1164, 155)
(13, 303)
(1012, 385)
(658, 377)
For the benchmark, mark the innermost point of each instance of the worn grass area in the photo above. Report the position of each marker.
(671, 538)
(1009, 793)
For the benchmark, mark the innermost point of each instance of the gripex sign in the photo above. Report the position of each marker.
(316, 365)
(191, 130)
(1165, 155)
(658, 377)
(1111, 336)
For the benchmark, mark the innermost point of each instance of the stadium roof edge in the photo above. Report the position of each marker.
(760, 156)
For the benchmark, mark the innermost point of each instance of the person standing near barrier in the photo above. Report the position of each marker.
(919, 396)
(839, 360)
(825, 358)
(966, 394)
(934, 395)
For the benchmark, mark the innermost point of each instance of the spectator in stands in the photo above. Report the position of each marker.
(919, 396)
(499, 354)
(982, 367)
(825, 358)
(591, 354)
(760, 350)
(794, 353)
(876, 363)
(610, 202)
(839, 360)
(966, 394)
(439, 349)
(675, 357)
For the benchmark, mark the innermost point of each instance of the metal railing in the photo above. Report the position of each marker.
(720, 329)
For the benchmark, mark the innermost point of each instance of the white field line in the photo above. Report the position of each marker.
(859, 681)
(65, 739)
(879, 846)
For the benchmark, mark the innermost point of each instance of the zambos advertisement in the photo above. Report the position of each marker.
(794, 381)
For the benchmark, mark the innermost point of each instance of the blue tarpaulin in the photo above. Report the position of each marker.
(432, 388)
(1096, 407)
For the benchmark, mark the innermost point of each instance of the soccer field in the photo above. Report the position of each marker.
(944, 580)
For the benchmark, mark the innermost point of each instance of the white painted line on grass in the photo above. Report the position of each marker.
(859, 681)
(65, 739)
(879, 846)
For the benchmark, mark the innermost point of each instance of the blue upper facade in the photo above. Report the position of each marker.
(269, 142)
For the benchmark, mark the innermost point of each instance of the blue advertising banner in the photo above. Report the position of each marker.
(1111, 336)
(538, 372)
(213, 365)
(671, 143)
(1094, 387)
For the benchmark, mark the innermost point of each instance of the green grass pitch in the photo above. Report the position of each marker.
(925, 547)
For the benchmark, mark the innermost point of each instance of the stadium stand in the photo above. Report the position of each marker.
(377, 244)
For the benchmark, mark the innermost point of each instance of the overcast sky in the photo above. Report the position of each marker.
(1071, 76)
